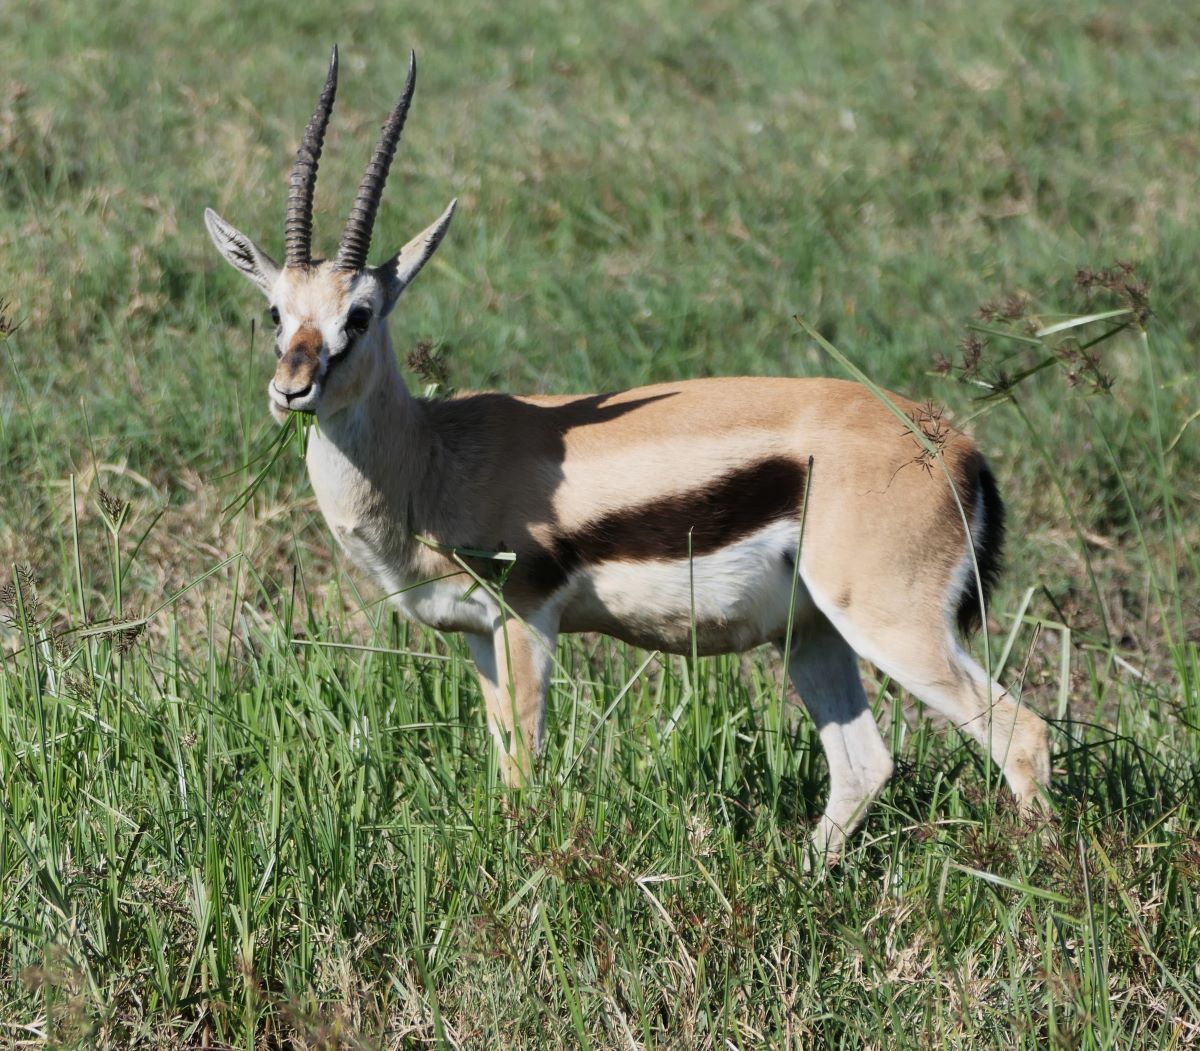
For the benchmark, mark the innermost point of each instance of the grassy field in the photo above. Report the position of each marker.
(242, 805)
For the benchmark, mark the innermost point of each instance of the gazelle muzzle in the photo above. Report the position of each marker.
(300, 372)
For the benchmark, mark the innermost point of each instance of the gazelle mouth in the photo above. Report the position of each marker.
(304, 401)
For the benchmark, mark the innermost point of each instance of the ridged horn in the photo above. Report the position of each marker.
(356, 241)
(303, 181)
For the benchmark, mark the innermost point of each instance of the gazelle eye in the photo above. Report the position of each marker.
(358, 321)
(275, 316)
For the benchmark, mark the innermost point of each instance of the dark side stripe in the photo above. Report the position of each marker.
(698, 522)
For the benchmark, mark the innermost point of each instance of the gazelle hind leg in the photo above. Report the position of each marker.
(824, 670)
(928, 661)
(1017, 738)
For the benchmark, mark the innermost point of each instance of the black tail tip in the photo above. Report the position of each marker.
(979, 487)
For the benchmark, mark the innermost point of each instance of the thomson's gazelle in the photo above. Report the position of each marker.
(648, 514)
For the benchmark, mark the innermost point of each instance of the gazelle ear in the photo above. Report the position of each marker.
(398, 272)
(241, 252)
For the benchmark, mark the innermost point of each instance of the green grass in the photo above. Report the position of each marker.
(242, 805)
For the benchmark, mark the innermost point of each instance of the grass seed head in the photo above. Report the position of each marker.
(8, 321)
(126, 638)
(20, 595)
(429, 365)
(1122, 282)
(972, 346)
(931, 421)
(80, 686)
(1015, 307)
(114, 509)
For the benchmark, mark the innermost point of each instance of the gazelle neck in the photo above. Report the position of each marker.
(365, 461)
(386, 400)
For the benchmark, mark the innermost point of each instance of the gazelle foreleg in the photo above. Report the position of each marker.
(514, 664)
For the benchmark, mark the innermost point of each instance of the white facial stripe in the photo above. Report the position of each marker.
(288, 327)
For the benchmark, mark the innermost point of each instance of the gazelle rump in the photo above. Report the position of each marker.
(664, 516)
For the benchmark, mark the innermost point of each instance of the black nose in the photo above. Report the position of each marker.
(292, 395)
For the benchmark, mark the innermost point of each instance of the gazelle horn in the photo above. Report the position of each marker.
(298, 224)
(356, 241)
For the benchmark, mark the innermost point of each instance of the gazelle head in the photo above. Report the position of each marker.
(329, 314)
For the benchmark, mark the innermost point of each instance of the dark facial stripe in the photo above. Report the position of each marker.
(726, 510)
(350, 344)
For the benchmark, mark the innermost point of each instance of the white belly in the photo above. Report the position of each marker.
(731, 599)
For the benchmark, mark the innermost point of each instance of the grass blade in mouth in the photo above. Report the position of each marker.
(294, 428)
